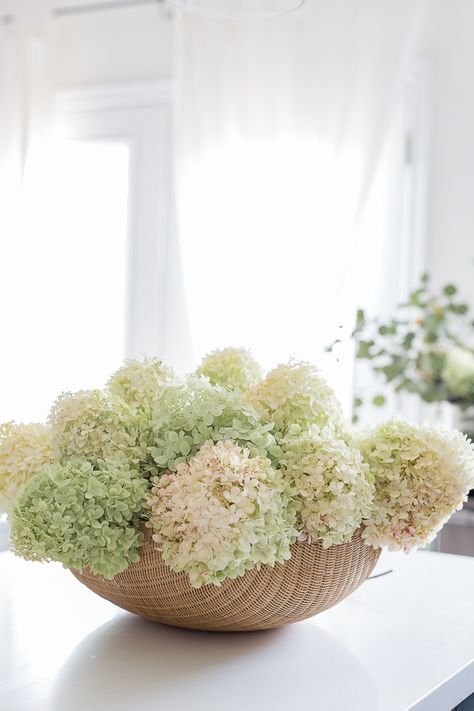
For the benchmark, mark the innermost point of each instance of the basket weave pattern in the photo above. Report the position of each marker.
(313, 580)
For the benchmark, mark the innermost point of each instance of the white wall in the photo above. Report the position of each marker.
(114, 46)
(449, 45)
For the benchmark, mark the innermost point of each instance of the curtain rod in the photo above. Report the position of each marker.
(101, 6)
(9, 18)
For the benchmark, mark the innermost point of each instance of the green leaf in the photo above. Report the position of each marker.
(449, 290)
(415, 298)
(357, 402)
(379, 400)
(387, 330)
(460, 309)
(363, 350)
(360, 323)
(425, 277)
(408, 385)
(394, 369)
(408, 340)
(329, 348)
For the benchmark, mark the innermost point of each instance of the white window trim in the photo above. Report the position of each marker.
(414, 228)
(110, 97)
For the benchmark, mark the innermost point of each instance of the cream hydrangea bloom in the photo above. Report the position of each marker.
(296, 394)
(458, 371)
(139, 382)
(221, 514)
(233, 368)
(84, 424)
(24, 449)
(422, 475)
(329, 482)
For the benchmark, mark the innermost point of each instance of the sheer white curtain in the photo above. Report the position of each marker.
(25, 97)
(279, 127)
(26, 81)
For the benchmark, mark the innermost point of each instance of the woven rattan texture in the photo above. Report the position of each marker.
(311, 581)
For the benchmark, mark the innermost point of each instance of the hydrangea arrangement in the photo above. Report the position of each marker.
(227, 468)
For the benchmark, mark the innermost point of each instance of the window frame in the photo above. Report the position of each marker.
(141, 115)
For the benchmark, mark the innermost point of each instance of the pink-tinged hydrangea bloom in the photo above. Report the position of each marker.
(233, 368)
(330, 484)
(422, 475)
(24, 449)
(221, 514)
(296, 394)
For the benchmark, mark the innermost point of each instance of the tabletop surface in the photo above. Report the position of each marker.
(401, 641)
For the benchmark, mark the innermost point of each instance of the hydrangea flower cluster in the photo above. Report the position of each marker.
(188, 415)
(221, 514)
(422, 475)
(139, 382)
(233, 368)
(24, 449)
(296, 394)
(330, 484)
(458, 371)
(81, 516)
(84, 424)
(229, 471)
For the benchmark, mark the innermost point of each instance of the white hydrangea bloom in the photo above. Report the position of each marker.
(221, 514)
(24, 449)
(330, 484)
(422, 475)
(458, 371)
(139, 382)
(84, 424)
(233, 368)
(296, 394)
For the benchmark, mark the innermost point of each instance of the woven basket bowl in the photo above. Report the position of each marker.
(313, 580)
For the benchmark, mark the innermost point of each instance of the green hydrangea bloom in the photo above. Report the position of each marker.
(222, 514)
(139, 382)
(188, 415)
(296, 394)
(81, 516)
(24, 449)
(233, 368)
(329, 482)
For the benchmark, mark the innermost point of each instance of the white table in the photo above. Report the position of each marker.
(402, 641)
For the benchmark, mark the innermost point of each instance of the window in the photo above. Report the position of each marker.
(86, 284)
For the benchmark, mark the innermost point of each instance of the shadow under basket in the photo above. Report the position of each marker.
(313, 580)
